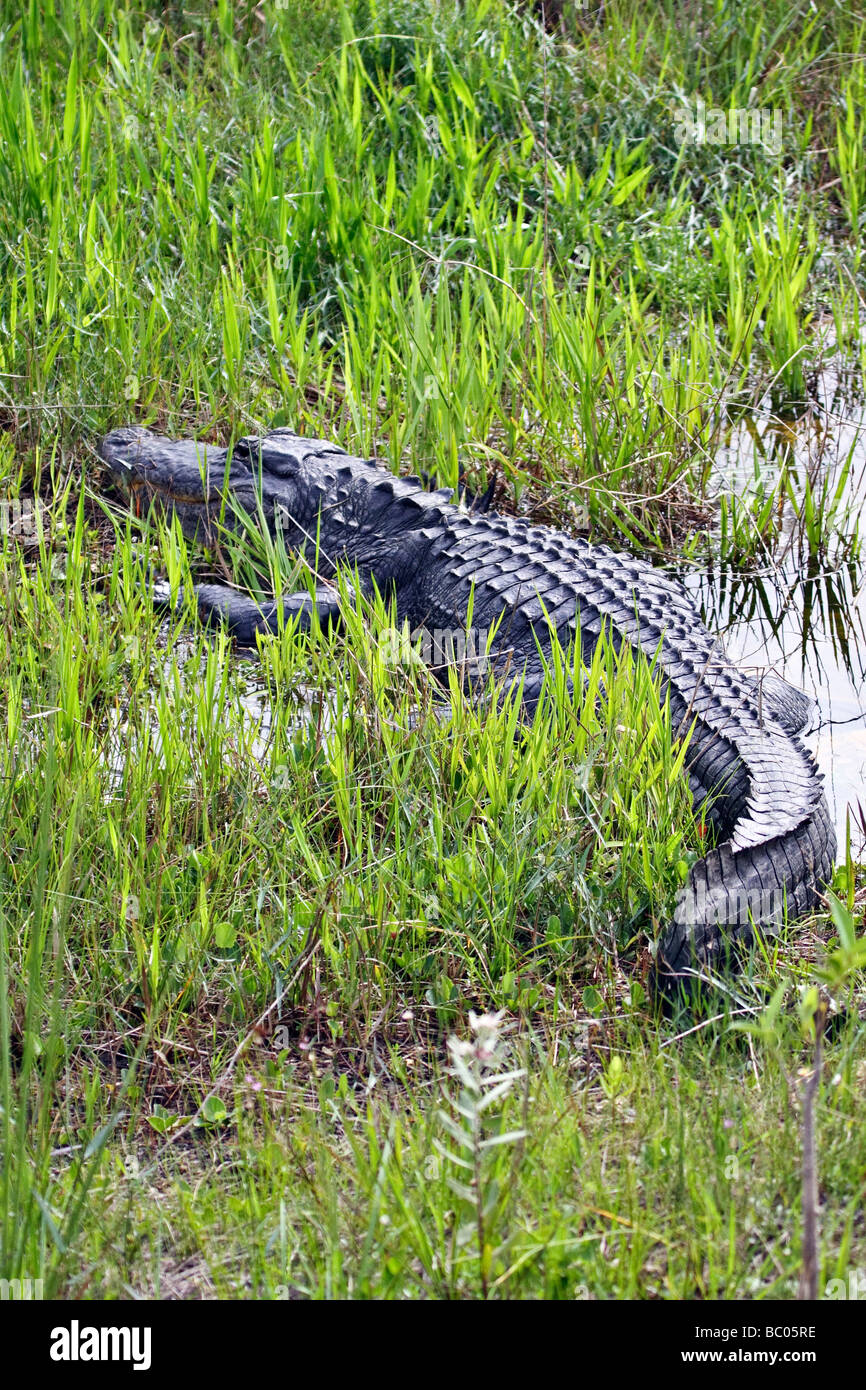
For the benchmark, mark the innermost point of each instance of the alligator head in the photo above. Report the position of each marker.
(209, 488)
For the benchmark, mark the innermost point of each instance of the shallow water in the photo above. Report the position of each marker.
(804, 617)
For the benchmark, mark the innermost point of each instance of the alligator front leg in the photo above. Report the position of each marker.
(244, 617)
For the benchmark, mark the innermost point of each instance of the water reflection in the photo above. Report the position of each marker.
(803, 615)
(812, 631)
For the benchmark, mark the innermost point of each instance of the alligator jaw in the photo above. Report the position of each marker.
(140, 462)
(185, 479)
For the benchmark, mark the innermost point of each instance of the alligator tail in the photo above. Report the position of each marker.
(732, 891)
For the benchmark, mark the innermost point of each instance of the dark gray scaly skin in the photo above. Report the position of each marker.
(775, 842)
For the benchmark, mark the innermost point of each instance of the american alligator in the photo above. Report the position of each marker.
(775, 845)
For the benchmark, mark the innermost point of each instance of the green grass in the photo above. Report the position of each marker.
(233, 956)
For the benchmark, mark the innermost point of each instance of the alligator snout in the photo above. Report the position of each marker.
(125, 450)
(189, 471)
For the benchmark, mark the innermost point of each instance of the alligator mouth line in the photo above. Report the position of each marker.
(151, 492)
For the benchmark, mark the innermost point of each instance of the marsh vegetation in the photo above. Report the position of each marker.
(246, 903)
